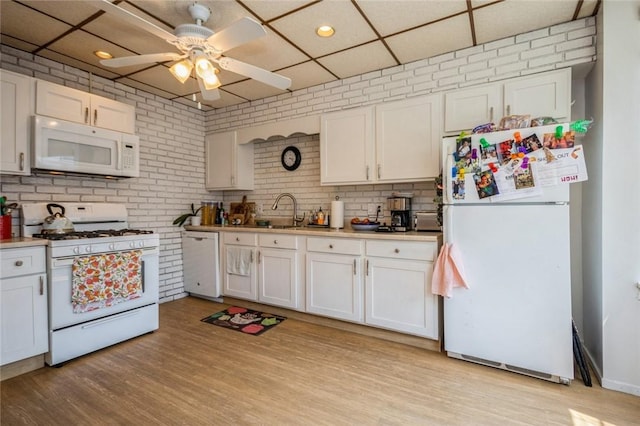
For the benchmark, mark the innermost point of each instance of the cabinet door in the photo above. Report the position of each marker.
(466, 108)
(334, 286)
(277, 277)
(398, 296)
(541, 95)
(243, 286)
(65, 103)
(23, 311)
(17, 106)
(109, 114)
(347, 147)
(220, 157)
(408, 139)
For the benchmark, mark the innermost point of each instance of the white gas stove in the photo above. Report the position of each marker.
(101, 237)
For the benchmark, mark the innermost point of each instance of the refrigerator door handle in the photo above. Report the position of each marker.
(447, 217)
(446, 174)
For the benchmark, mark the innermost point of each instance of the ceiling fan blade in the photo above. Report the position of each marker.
(256, 73)
(241, 31)
(126, 61)
(208, 95)
(129, 17)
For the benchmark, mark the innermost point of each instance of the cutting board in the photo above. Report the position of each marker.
(241, 211)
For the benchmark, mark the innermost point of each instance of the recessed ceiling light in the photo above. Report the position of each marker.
(325, 31)
(102, 54)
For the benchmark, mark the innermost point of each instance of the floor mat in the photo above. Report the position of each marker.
(244, 320)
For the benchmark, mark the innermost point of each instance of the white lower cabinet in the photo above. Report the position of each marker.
(398, 287)
(280, 271)
(23, 304)
(239, 265)
(334, 278)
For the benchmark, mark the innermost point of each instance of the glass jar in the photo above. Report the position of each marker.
(207, 212)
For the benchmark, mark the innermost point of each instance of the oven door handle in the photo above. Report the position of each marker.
(142, 277)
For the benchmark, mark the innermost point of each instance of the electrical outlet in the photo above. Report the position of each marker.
(260, 211)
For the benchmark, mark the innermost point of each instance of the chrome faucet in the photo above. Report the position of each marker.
(296, 219)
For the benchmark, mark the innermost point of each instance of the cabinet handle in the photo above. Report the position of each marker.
(275, 241)
(367, 172)
(378, 171)
(491, 114)
(86, 115)
(354, 266)
(397, 251)
(95, 117)
(330, 246)
(237, 238)
(251, 259)
(367, 268)
(22, 161)
(41, 286)
(508, 109)
(19, 263)
(233, 180)
(259, 257)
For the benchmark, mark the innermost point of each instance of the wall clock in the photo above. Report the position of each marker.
(291, 158)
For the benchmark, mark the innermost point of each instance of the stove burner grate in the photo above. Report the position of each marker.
(77, 235)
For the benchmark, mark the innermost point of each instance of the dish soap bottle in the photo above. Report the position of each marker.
(320, 217)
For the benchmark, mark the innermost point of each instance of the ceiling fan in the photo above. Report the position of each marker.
(200, 48)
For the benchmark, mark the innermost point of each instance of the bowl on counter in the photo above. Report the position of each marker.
(371, 226)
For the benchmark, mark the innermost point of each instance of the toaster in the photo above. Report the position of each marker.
(426, 221)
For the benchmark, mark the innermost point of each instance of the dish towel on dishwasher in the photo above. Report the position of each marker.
(103, 280)
(239, 260)
(448, 272)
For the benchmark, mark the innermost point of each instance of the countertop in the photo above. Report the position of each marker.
(324, 232)
(19, 242)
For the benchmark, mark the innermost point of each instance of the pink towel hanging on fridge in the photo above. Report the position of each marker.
(448, 272)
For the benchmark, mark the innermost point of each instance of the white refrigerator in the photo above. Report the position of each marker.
(514, 249)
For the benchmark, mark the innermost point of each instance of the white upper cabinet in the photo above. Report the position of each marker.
(408, 139)
(229, 165)
(17, 107)
(539, 95)
(65, 103)
(347, 146)
(391, 142)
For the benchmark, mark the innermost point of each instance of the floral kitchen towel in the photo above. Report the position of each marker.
(103, 280)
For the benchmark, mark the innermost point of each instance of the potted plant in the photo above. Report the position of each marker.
(180, 220)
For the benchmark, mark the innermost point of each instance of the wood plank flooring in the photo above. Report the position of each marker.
(192, 373)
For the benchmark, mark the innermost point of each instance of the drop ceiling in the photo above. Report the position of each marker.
(369, 35)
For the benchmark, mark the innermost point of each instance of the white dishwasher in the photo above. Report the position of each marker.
(201, 264)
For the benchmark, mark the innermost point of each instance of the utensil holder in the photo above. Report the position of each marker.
(5, 227)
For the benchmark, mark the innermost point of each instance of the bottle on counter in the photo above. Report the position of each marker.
(320, 217)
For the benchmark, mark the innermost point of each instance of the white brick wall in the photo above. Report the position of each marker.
(172, 134)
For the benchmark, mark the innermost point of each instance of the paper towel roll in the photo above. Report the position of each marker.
(337, 215)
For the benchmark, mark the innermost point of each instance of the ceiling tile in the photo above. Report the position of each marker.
(59, 57)
(252, 90)
(392, 17)
(435, 39)
(511, 13)
(359, 60)
(351, 28)
(269, 9)
(80, 11)
(28, 25)
(307, 74)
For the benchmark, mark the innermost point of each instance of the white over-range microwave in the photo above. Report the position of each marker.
(70, 148)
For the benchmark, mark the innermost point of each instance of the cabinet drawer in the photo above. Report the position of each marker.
(403, 250)
(23, 261)
(240, 238)
(278, 241)
(335, 245)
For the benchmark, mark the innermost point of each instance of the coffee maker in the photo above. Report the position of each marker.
(400, 208)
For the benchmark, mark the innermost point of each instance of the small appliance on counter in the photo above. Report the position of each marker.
(401, 217)
(427, 221)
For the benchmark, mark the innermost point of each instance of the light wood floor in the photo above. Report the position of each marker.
(192, 373)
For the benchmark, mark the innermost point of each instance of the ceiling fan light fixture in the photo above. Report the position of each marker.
(325, 31)
(203, 66)
(181, 70)
(211, 80)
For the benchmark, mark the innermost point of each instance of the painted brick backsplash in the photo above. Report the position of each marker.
(172, 135)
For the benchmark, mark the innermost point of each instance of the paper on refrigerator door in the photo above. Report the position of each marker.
(560, 166)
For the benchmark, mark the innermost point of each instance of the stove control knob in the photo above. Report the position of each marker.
(132, 244)
(112, 246)
(140, 244)
(88, 249)
(76, 250)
